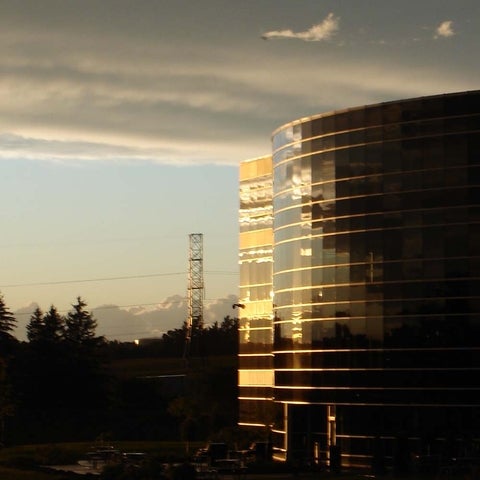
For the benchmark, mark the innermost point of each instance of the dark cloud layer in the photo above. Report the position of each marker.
(173, 82)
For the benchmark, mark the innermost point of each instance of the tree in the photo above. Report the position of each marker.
(49, 327)
(187, 410)
(7, 324)
(54, 325)
(80, 325)
(61, 385)
(35, 325)
(6, 404)
(229, 325)
(7, 341)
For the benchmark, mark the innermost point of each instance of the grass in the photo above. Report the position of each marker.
(7, 473)
(151, 366)
(64, 453)
(22, 462)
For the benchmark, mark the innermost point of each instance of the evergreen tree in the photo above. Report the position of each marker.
(47, 327)
(35, 325)
(64, 361)
(7, 342)
(7, 322)
(80, 325)
(54, 325)
(6, 404)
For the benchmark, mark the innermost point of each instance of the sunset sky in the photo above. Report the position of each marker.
(122, 124)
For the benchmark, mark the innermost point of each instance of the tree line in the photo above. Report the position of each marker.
(59, 385)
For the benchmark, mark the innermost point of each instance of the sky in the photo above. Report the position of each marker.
(122, 125)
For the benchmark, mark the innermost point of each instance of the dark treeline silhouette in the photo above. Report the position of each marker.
(216, 339)
(63, 384)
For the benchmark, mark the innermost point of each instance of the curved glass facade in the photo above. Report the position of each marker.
(255, 374)
(376, 279)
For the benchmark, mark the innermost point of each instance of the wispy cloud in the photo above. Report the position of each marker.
(75, 150)
(444, 30)
(70, 97)
(322, 31)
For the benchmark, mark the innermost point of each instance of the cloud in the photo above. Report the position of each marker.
(148, 104)
(322, 31)
(174, 117)
(77, 149)
(444, 30)
(121, 96)
(127, 324)
(94, 105)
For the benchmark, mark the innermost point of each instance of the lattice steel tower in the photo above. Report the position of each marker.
(195, 288)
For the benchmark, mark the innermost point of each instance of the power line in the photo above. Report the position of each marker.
(111, 307)
(107, 279)
(86, 280)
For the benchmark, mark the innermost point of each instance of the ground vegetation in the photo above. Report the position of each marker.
(65, 383)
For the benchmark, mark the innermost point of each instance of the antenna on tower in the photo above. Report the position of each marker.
(195, 289)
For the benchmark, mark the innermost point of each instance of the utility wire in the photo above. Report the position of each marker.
(107, 279)
(111, 307)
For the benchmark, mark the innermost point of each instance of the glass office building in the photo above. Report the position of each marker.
(255, 374)
(376, 282)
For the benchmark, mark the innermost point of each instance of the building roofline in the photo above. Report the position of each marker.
(261, 157)
(330, 113)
